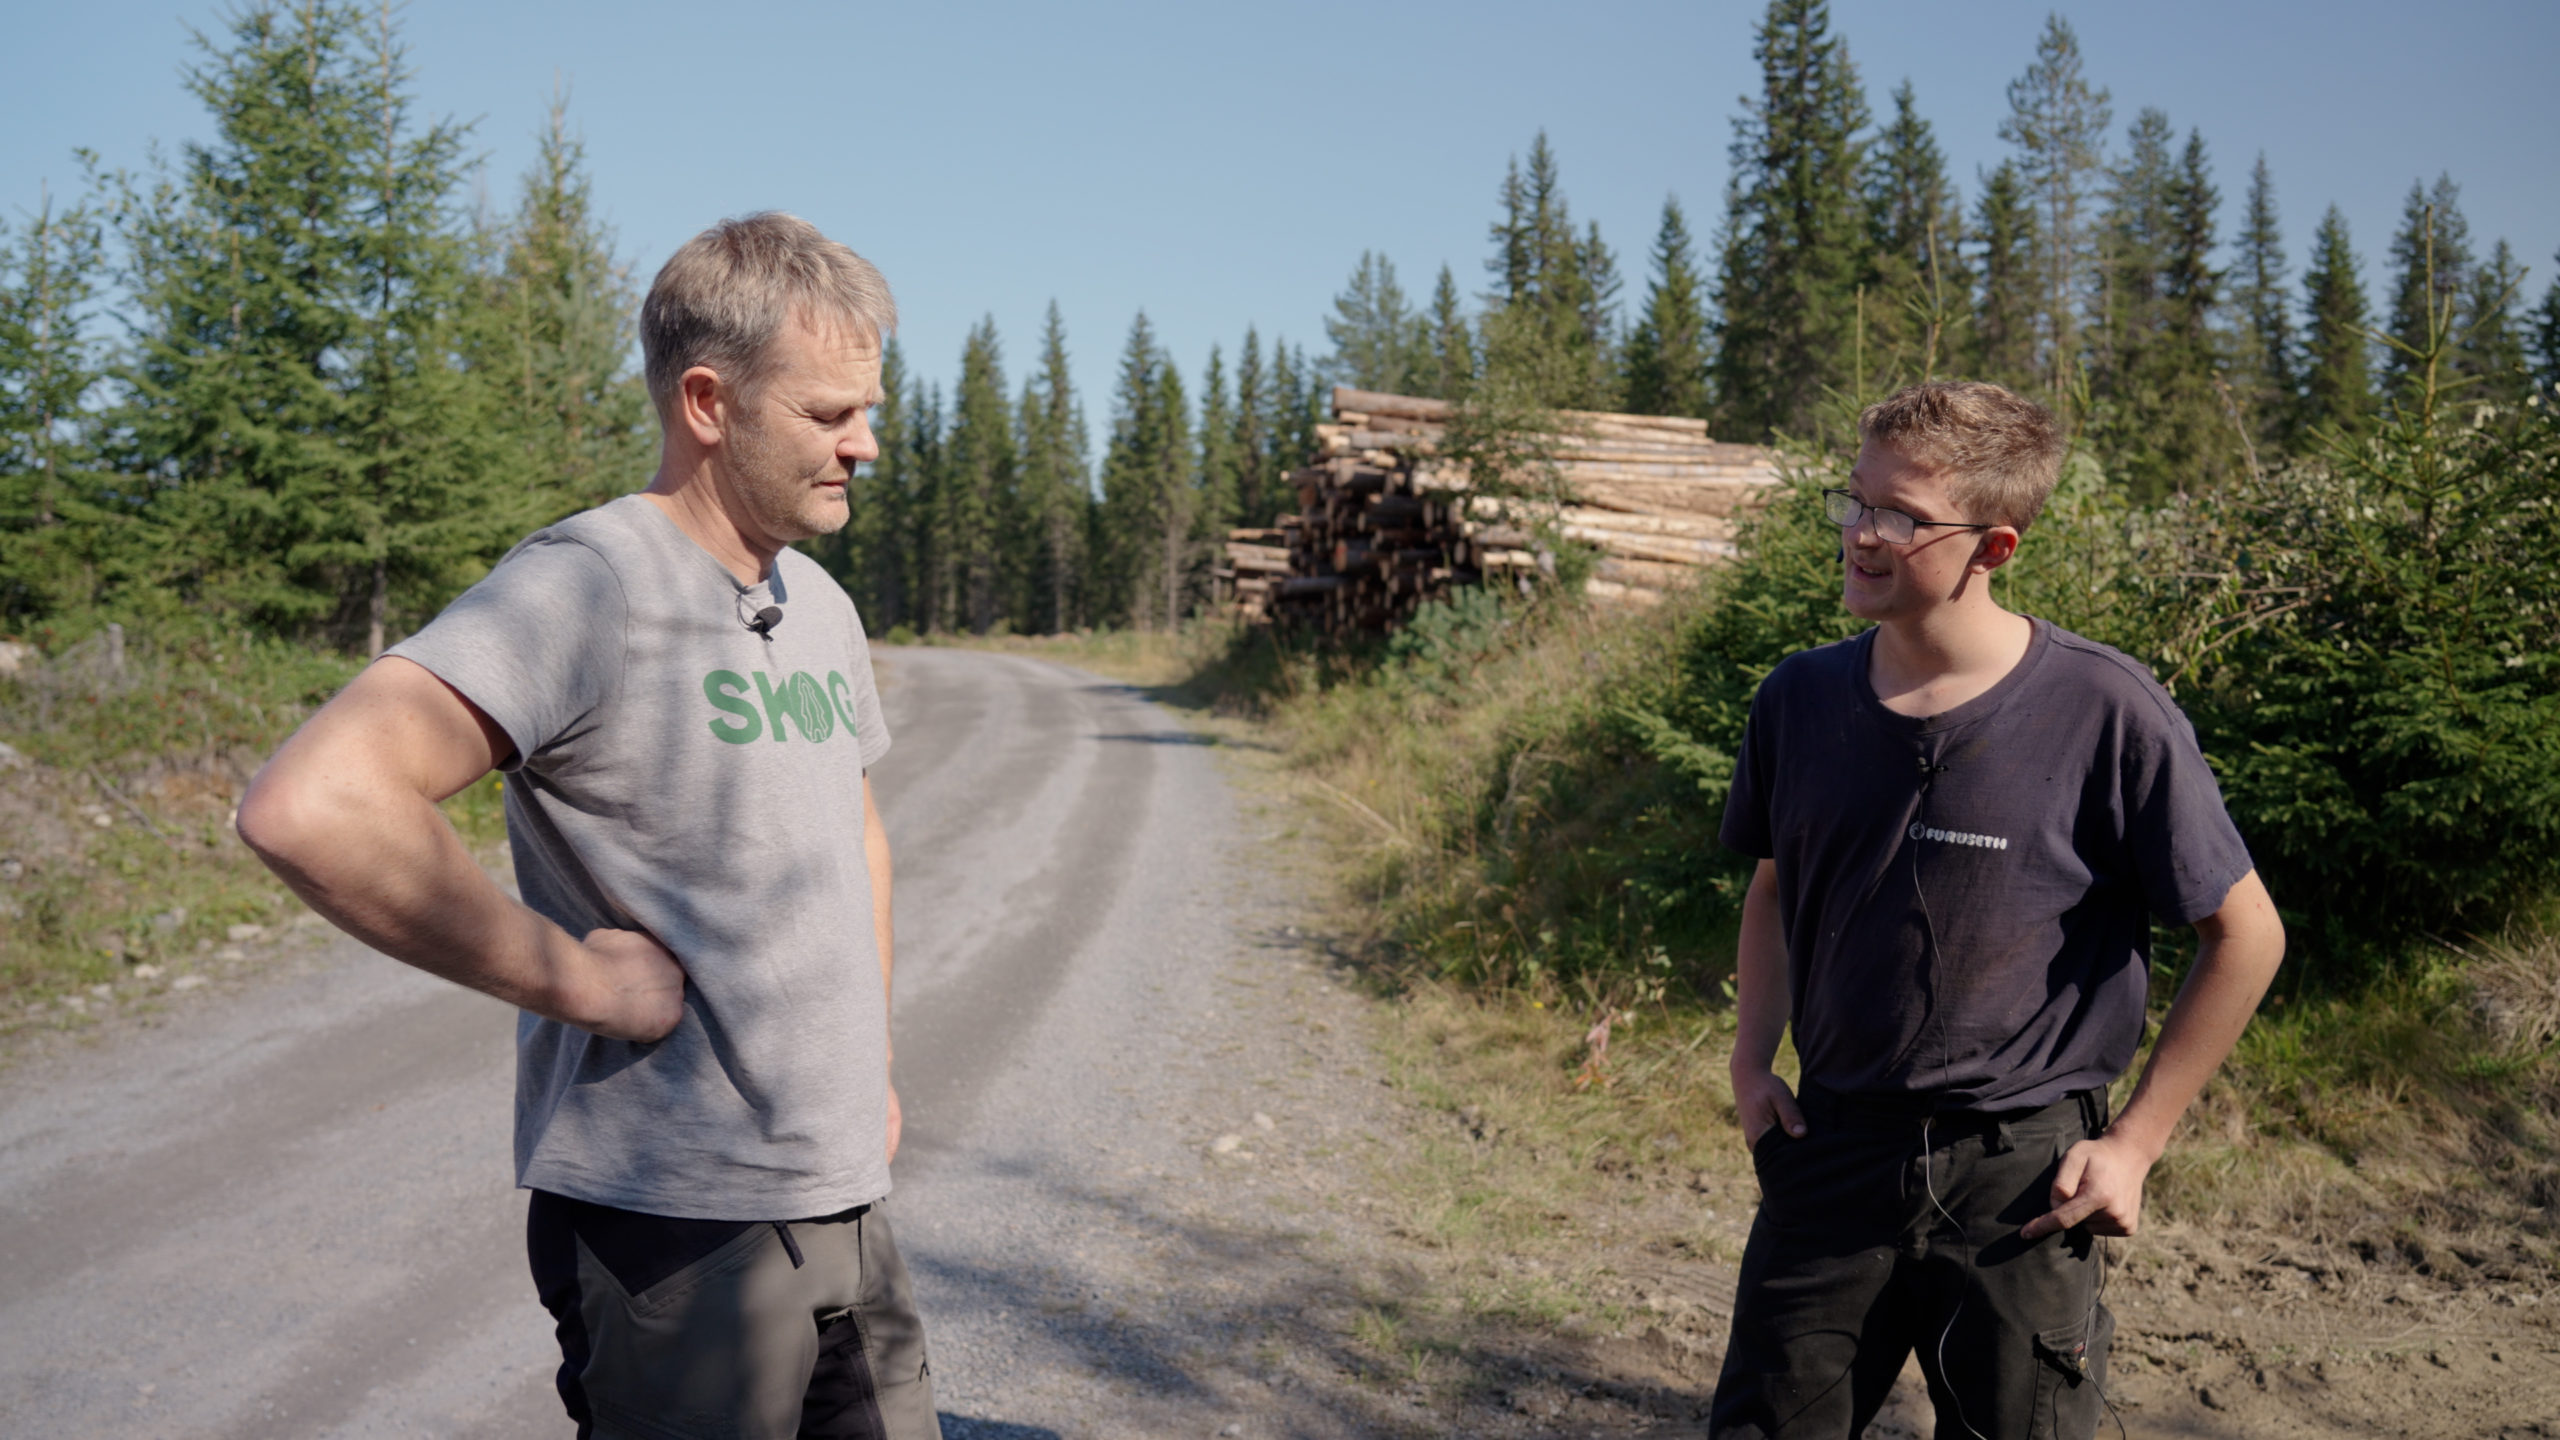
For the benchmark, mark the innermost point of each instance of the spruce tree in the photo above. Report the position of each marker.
(2265, 375)
(1795, 230)
(1917, 285)
(975, 516)
(2196, 440)
(58, 516)
(1548, 331)
(2059, 123)
(1298, 402)
(869, 556)
(556, 327)
(1379, 343)
(2337, 358)
(1134, 497)
(2004, 345)
(2545, 339)
(430, 507)
(245, 292)
(1220, 467)
(1666, 352)
(2431, 230)
(1453, 343)
(1257, 482)
(1056, 491)
(298, 286)
(2490, 354)
(928, 478)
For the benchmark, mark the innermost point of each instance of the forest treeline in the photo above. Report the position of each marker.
(294, 377)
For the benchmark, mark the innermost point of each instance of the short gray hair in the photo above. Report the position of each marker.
(722, 299)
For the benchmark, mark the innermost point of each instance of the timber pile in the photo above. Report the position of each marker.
(1383, 523)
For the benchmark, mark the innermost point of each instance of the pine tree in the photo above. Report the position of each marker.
(1453, 344)
(2337, 358)
(2125, 362)
(2431, 226)
(1916, 281)
(1056, 490)
(2004, 327)
(556, 327)
(58, 521)
(2059, 124)
(1795, 233)
(1379, 343)
(1666, 353)
(2265, 375)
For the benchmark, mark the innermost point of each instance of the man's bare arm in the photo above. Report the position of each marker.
(875, 855)
(1761, 1005)
(346, 813)
(2238, 949)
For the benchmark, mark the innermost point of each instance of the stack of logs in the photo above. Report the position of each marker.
(1384, 523)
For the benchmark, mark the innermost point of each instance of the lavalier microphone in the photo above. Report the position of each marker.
(765, 621)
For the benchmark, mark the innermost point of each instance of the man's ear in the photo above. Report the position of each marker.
(1994, 549)
(702, 405)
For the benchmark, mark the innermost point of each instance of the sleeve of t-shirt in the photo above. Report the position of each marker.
(1746, 807)
(2184, 847)
(870, 726)
(537, 644)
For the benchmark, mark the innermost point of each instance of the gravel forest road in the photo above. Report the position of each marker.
(284, 1210)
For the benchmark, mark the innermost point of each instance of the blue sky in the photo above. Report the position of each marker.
(1221, 165)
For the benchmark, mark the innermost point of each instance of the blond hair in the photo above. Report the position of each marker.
(2000, 452)
(723, 298)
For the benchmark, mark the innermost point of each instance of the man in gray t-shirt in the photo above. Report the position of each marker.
(685, 713)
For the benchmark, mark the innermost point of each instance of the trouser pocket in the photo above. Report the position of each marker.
(2071, 1377)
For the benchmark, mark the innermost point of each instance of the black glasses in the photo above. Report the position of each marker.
(1892, 526)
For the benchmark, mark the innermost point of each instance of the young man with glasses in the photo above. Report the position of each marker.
(1966, 820)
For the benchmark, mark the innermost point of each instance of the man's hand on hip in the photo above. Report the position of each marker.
(2100, 1185)
(1760, 1100)
(629, 987)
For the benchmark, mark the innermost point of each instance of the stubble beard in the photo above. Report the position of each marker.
(777, 494)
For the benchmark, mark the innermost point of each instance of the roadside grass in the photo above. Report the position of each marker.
(119, 870)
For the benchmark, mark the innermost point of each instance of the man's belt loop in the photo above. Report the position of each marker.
(2093, 1109)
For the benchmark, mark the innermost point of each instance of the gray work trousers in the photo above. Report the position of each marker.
(677, 1329)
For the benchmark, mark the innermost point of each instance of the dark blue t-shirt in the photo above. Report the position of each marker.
(1966, 898)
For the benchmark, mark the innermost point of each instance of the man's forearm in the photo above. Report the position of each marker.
(875, 857)
(2237, 953)
(1761, 1002)
(387, 869)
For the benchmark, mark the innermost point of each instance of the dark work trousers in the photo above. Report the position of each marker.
(1887, 1229)
(676, 1329)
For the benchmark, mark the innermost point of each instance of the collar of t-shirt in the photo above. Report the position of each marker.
(1862, 684)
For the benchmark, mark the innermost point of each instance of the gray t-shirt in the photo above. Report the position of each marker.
(1967, 897)
(679, 774)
